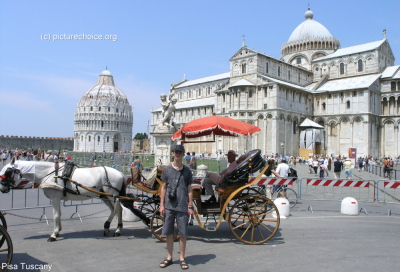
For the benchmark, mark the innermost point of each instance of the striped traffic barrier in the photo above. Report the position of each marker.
(274, 181)
(386, 191)
(336, 189)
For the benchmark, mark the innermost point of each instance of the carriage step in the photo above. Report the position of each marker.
(211, 227)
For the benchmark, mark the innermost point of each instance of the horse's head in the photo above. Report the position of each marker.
(8, 175)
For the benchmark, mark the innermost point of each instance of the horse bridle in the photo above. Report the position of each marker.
(7, 179)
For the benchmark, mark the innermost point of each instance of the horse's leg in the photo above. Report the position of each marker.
(55, 197)
(118, 212)
(110, 218)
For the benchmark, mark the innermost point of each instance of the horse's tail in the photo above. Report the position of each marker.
(122, 192)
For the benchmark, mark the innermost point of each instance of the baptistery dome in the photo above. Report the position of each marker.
(310, 40)
(103, 118)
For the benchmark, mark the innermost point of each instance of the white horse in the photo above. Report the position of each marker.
(106, 180)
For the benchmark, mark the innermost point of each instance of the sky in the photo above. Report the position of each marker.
(147, 46)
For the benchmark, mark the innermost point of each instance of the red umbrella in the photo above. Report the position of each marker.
(217, 125)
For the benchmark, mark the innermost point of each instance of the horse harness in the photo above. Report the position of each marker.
(8, 178)
(67, 176)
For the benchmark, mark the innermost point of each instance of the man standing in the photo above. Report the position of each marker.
(347, 168)
(176, 202)
(337, 167)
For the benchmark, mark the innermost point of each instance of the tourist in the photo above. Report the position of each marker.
(193, 161)
(337, 167)
(176, 202)
(347, 168)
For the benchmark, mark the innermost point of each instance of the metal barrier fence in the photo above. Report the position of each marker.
(379, 171)
(336, 189)
(386, 191)
(24, 199)
(269, 182)
(123, 161)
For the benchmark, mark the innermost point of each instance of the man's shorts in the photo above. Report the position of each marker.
(169, 221)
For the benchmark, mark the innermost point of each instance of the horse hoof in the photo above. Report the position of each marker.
(57, 235)
(106, 233)
(117, 234)
(51, 239)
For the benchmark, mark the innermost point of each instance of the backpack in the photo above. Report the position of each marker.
(292, 173)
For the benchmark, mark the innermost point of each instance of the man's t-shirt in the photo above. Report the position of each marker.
(170, 175)
(283, 169)
(337, 166)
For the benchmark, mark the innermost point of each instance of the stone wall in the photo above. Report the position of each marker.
(34, 143)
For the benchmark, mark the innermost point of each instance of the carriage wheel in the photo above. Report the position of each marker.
(245, 192)
(3, 223)
(6, 249)
(251, 220)
(148, 207)
(157, 224)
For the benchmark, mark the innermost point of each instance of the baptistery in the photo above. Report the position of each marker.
(103, 118)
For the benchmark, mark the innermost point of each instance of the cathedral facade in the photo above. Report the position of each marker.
(103, 118)
(352, 92)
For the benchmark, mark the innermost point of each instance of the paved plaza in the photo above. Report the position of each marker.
(322, 240)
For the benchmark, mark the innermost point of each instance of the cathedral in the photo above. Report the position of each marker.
(351, 93)
(103, 118)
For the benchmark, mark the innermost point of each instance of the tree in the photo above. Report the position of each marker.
(141, 136)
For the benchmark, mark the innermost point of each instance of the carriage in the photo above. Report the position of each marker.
(253, 218)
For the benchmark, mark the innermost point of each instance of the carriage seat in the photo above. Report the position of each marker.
(149, 185)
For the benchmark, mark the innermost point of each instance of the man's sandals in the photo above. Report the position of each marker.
(184, 265)
(166, 263)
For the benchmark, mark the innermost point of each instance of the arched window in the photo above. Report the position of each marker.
(102, 123)
(266, 67)
(279, 71)
(99, 108)
(243, 68)
(360, 65)
(348, 104)
(323, 106)
(91, 108)
(289, 74)
(250, 94)
(341, 67)
(98, 138)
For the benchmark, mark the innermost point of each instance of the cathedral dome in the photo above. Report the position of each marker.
(309, 35)
(310, 30)
(103, 118)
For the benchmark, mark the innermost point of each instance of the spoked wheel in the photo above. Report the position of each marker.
(250, 191)
(148, 207)
(6, 249)
(287, 193)
(3, 223)
(245, 192)
(157, 225)
(251, 219)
